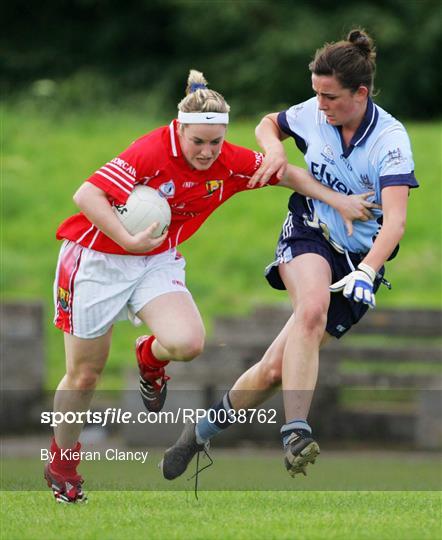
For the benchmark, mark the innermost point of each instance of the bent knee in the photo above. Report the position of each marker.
(187, 349)
(313, 318)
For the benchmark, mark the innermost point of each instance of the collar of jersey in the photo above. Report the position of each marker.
(174, 142)
(364, 130)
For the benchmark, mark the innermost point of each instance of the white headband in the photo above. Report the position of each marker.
(203, 118)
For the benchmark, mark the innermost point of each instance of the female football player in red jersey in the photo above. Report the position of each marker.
(104, 274)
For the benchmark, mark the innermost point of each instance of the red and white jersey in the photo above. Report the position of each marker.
(156, 160)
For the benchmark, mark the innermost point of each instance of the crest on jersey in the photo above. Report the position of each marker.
(395, 157)
(366, 182)
(63, 298)
(213, 185)
(328, 151)
(327, 154)
(168, 188)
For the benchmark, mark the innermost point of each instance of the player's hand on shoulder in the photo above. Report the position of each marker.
(274, 162)
(356, 207)
(143, 241)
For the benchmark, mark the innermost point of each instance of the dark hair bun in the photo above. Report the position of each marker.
(361, 40)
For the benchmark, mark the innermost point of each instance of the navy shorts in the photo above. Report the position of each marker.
(297, 238)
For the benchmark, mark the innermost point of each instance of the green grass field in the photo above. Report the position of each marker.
(350, 495)
(45, 157)
(245, 469)
(225, 515)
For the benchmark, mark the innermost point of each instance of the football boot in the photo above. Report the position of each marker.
(177, 457)
(300, 450)
(66, 489)
(153, 381)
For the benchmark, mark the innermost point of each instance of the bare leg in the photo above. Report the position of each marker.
(264, 378)
(307, 279)
(85, 360)
(177, 325)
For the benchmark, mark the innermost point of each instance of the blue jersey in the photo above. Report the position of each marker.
(379, 155)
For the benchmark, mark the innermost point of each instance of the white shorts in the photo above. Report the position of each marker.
(93, 290)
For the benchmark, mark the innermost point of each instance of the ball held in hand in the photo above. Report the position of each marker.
(144, 206)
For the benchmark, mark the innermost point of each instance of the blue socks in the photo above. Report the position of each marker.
(217, 419)
(295, 426)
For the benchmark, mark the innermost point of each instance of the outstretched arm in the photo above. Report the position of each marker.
(350, 207)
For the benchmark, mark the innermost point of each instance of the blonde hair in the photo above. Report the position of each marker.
(199, 98)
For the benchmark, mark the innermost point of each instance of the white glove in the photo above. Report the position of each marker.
(357, 285)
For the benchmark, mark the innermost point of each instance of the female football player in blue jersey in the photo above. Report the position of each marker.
(351, 145)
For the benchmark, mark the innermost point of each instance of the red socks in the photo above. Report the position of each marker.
(146, 356)
(66, 460)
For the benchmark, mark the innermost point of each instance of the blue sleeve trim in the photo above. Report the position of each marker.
(399, 180)
(284, 126)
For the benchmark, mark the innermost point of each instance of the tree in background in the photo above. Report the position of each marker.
(101, 50)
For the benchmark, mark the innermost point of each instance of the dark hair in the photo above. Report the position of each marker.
(352, 61)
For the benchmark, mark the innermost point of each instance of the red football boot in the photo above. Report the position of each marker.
(66, 489)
